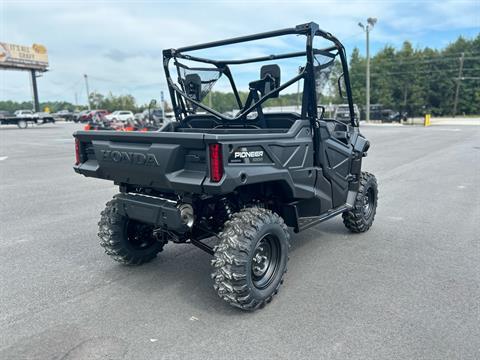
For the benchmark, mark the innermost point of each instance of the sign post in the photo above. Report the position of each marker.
(36, 103)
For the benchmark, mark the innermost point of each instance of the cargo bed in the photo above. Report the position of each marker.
(159, 160)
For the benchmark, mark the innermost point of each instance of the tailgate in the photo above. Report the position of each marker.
(158, 160)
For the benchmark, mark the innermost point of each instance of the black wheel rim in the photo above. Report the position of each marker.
(140, 236)
(368, 203)
(265, 261)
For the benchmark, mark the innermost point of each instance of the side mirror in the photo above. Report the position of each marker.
(341, 84)
(193, 86)
(270, 73)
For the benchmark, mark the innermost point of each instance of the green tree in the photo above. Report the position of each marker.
(420, 80)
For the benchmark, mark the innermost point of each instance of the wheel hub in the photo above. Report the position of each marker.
(260, 261)
(368, 202)
(265, 261)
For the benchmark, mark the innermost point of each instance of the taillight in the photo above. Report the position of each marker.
(87, 127)
(216, 166)
(77, 151)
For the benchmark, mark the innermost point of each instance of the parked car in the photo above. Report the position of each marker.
(64, 114)
(84, 117)
(120, 115)
(394, 116)
(155, 115)
(77, 116)
(4, 114)
(342, 113)
(377, 112)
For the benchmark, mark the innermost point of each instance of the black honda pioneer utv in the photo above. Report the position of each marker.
(240, 180)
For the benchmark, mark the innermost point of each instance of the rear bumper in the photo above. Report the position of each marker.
(150, 210)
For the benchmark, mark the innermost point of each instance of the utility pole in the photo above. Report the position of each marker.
(370, 24)
(367, 116)
(457, 90)
(88, 91)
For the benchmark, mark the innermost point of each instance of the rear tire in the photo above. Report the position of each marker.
(251, 258)
(22, 124)
(360, 217)
(127, 241)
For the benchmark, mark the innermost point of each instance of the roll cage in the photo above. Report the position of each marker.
(180, 95)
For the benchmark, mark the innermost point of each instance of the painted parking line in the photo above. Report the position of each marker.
(3, 158)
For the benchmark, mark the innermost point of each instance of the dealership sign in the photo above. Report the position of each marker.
(23, 57)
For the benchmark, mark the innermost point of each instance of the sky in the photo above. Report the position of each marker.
(119, 43)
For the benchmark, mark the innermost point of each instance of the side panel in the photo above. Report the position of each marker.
(285, 157)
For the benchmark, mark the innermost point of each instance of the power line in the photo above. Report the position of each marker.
(65, 89)
(415, 72)
(104, 80)
(422, 61)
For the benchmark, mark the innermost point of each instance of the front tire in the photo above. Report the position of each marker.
(251, 258)
(127, 241)
(360, 217)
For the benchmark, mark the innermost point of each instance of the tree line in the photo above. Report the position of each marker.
(416, 81)
(413, 80)
(108, 102)
(421, 80)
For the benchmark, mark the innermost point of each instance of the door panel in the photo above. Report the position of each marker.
(335, 156)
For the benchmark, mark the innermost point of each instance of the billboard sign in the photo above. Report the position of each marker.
(23, 57)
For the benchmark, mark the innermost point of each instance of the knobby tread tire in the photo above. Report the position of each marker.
(111, 231)
(232, 254)
(354, 218)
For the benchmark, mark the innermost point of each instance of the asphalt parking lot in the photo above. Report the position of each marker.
(407, 289)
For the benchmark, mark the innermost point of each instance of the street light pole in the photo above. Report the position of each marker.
(162, 105)
(370, 24)
(367, 31)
